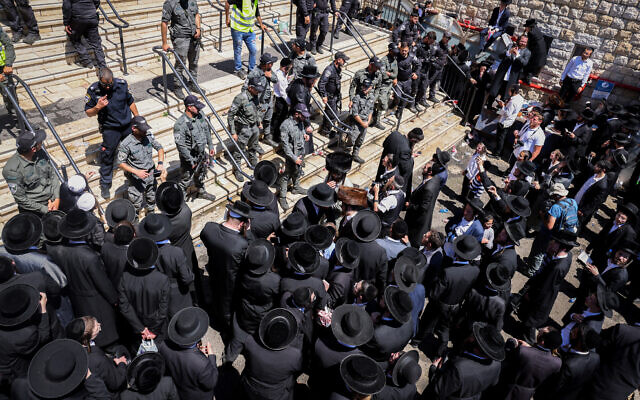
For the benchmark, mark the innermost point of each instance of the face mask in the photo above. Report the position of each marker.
(106, 87)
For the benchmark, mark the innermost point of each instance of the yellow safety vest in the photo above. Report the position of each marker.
(245, 19)
(3, 56)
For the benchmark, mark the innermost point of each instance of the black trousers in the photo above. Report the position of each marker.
(88, 30)
(319, 19)
(332, 103)
(345, 7)
(280, 113)
(20, 15)
(301, 27)
(569, 89)
(501, 134)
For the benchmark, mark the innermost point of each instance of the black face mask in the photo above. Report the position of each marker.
(106, 87)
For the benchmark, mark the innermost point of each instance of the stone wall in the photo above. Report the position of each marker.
(612, 27)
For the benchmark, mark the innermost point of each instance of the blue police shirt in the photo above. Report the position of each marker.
(117, 114)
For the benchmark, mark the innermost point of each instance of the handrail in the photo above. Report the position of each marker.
(124, 24)
(222, 9)
(165, 60)
(337, 118)
(401, 95)
(273, 41)
(356, 34)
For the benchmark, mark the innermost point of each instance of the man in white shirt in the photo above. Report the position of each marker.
(576, 74)
(281, 108)
(530, 137)
(508, 114)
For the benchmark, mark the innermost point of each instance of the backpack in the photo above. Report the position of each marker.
(568, 220)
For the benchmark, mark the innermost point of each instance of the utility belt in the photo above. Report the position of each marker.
(320, 11)
(102, 128)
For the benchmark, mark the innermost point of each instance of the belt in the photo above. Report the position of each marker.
(325, 11)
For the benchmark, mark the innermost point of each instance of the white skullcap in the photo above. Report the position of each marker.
(77, 184)
(86, 202)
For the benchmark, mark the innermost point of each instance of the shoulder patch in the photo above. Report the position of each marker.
(87, 98)
(119, 80)
(93, 86)
(13, 187)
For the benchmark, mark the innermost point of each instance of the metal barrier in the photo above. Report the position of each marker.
(123, 25)
(276, 45)
(220, 8)
(402, 96)
(348, 24)
(165, 60)
(456, 84)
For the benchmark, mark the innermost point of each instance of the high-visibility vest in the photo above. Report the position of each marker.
(3, 56)
(245, 19)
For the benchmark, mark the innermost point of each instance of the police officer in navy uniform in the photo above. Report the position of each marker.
(303, 17)
(80, 20)
(320, 19)
(408, 32)
(329, 88)
(111, 100)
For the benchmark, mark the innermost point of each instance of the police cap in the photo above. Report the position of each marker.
(267, 58)
(257, 84)
(192, 100)
(375, 61)
(341, 55)
(28, 139)
(140, 123)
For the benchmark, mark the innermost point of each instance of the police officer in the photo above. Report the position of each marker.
(320, 19)
(193, 138)
(361, 110)
(303, 17)
(425, 53)
(329, 88)
(389, 79)
(112, 102)
(7, 58)
(244, 123)
(408, 32)
(300, 58)
(438, 61)
(135, 158)
(185, 34)
(292, 132)
(80, 20)
(408, 69)
(345, 9)
(30, 176)
(371, 72)
(19, 15)
(262, 72)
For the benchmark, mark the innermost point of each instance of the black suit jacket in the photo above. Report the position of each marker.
(543, 290)
(504, 19)
(462, 377)
(453, 283)
(257, 295)
(181, 235)
(538, 48)
(166, 390)
(196, 372)
(263, 223)
(388, 337)
(398, 145)
(306, 207)
(593, 197)
(524, 369)
(373, 264)
(577, 147)
(173, 263)
(114, 376)
(114, 257)
(420, 211)
(575, 373)
(517, 66)
(606, 241)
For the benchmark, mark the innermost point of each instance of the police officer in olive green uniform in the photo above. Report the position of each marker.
(7, 58)
(31, 177)
(135, 157)
(361, 109)
(389, 78)
(193, 138)
(371, 72)
(300, 57)
(293, 137)
(182, 20)
(244, 123)
(263, 73)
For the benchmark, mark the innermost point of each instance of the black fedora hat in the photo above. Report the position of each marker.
(628, 246)
(405, 274)
(156, 227)
(339, 161)
(490, 340)
(18, 303)
(122, 210)
(21, 232)
(398, 303)
(145, 372)
(322, 195)
(498, 276)
(50, 223)
(303, 258)
(615, 109)
(518, 205)
(443, 157)
(531, 22)
(169, 197)
(259, 256)
(466, 247)
(76, 224)
(266, 171)
(607, 300)
(565, 238)
(631, 124)
(362, 374)
(515, 231)
(258, 193)
(418, 258)
(620, 138)
(406, 369)
(277, 329)
(587, 114)
(476, 204)
(630, 210)
(188, 326)
(351, 325)
(318, 236)
(142, 253)
(527, 168)
(309, 71)
(239, 209)
(58, 369)
(366, 225)
(295, 225)
(347, 253)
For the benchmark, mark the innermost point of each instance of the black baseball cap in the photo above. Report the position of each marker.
(367, 83)
(28, 139)
(341, 54)
(267, 58)
(192, 100)
(302, 109)
(301, 43)
(375, 61)
(141, 123)
(257, 83)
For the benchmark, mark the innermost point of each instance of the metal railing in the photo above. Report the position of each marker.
(456, 84)
(220, 8)
(362, 43)
(122, 25)
(165, 61)
(402, 97)
(275, 43)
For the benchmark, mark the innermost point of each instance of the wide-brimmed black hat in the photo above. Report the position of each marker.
(266, 171)
(18, 303)
(347, 253)
(169, 198)
(615, 108)
(188, 326)
(303, 258)
(490, 340)
(630, 210)
(362, 374)
(259, 256)
(50, 222)
(607, 300)
(142, 253)
(319, 236)
(476, 204)
(628, 246)
(351, 325)
(398, 303)
(239, 209)
(322, 195)
(527, 168)
(418, 258)
(339, 161)
(76, 224)
(466, 247)
(295, 225)
(309, 71)
(156, 227)
(620, 138)
(278, 329)
(406, 369)
(58, 369)
(366, 225)
(405, 274)
(443, 157)
(565, 238)
(587, 114)
(145, 372)
(631, 124)
(21, 232)
(498, 276)
(531, 22)
(515, 231)
(258, 193)
(518, 205)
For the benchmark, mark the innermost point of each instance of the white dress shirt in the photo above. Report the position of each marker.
(280, 88)
(577, 68)
(590, 182)
(510, 111)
